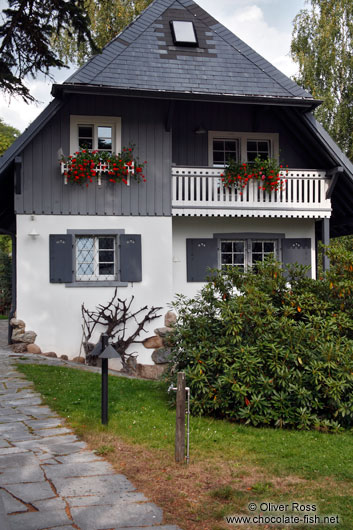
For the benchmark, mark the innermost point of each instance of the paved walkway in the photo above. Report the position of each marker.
(48, 478)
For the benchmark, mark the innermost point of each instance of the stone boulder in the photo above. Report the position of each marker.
(64, 357)
(50, 354)
(153, 342)
(154, 371)
(19, 335)
(33, 348)
(170, 319)
(20, 347)
(163, 332)
(80, 360)
(14, 323)
(161, 356)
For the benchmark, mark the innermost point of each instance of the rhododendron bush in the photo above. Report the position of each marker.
(271, 347)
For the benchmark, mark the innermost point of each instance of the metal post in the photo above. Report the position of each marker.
(325, 241)
(180, 419)
(104, 382)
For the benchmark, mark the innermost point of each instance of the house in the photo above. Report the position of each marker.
(188, 94)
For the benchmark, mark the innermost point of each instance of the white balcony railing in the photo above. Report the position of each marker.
(200, 191)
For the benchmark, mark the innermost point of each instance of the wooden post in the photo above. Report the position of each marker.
(180, 419)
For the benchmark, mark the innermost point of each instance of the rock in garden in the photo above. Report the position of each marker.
(20, 347)
(14, 323)
(64, 357)
(170, 319)
(163, 332)
(33, 348)
(153, 342)
(150, 371)
(161, 356)
(80, 360)
(50, 354)
(17, 335)
(29, 337)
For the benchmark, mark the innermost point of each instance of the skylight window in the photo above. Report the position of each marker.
(183, 33)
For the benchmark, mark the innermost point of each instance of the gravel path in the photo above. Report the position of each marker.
(48, 478)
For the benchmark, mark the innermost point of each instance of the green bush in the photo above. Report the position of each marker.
(5, 282)
(271, 348)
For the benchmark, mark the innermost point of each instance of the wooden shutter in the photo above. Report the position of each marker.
(60, 256)
(297, 250)
(130, 258)
(201, 255)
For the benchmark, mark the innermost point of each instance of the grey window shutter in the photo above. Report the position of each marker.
(297, 250)
(130, 258)
(201, 254)
(60, 249)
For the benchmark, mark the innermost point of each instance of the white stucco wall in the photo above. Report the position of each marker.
(199, 227)
(53, 311)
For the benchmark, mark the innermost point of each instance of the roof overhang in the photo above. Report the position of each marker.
(67, 88)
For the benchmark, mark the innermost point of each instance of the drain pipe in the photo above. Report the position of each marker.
(13, 286)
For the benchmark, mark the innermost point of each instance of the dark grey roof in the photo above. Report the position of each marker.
(28, 134)
(143, 57)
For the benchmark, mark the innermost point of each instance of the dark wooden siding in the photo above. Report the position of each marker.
(192, 149)
(143, 124)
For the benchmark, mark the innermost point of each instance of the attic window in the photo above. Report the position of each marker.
(183, 33)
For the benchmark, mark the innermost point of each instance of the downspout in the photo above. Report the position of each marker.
(13, 286)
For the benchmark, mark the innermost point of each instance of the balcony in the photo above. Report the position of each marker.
(200, 192)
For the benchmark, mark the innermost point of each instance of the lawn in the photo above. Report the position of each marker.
(231, 465)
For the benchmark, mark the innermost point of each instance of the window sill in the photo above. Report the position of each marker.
(111, 283)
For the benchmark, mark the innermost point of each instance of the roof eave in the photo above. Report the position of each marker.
(68, 88)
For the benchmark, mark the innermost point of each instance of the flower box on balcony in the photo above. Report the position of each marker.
(85, 166)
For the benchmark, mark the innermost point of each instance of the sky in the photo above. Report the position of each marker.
(265, 25)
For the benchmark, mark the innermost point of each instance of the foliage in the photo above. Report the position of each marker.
(267, 172)
(322, 45)
(119, 322)
(83, 166)
(25, 38)
(107, 20)
(8, 135)
(5, 244)
(270, 347)
(5, 281)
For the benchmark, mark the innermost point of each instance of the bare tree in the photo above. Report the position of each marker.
(116, 317)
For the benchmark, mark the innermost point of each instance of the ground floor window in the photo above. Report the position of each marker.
(95, 258)
(245, 253)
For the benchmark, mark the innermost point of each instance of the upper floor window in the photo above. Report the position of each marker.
(98, 133)
(241, 147)
(223, 149)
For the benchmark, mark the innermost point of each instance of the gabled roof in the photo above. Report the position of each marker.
(144, 57)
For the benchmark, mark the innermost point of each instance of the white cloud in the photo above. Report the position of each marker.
(248, 22)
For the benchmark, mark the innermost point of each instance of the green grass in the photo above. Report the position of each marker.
(4, 317)
(140, 412)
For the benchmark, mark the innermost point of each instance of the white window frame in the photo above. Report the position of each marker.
(248, 241)
(242, 138)
(96, 121)
(96, 277)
